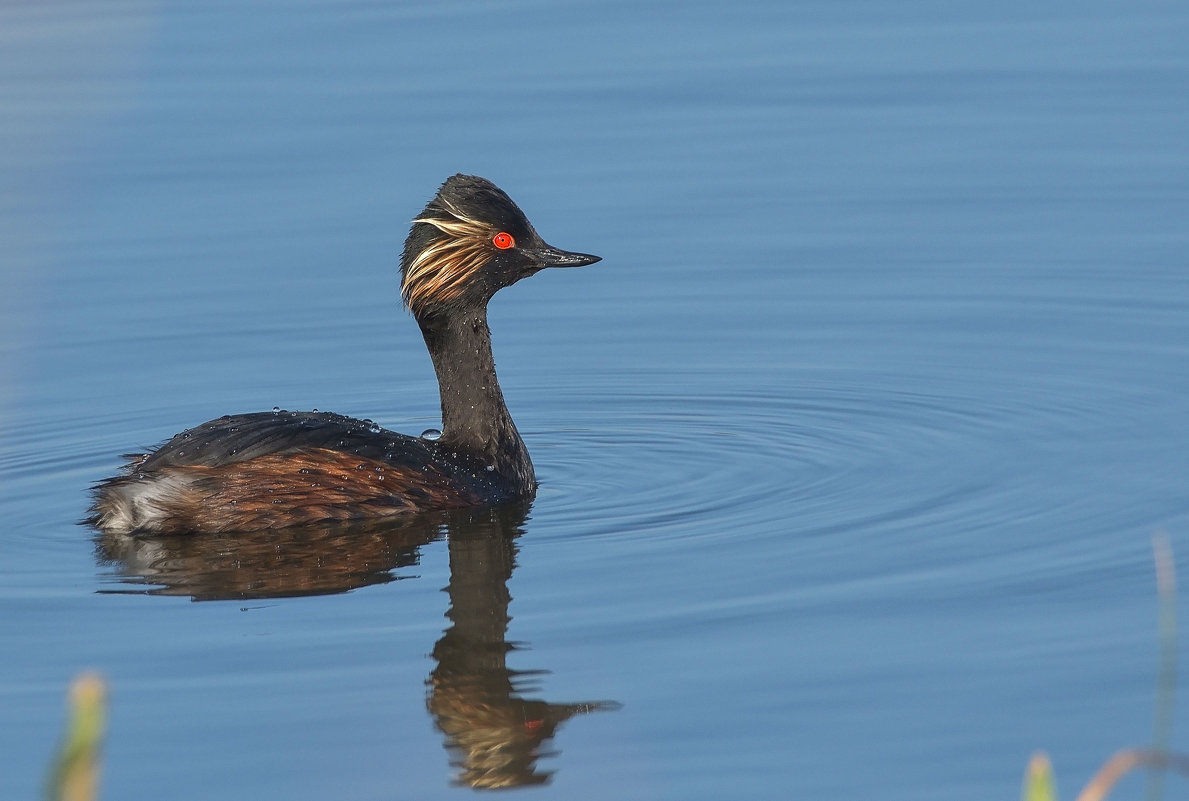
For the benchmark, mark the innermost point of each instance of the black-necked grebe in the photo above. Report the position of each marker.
(272, 469)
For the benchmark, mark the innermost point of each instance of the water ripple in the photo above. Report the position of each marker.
(830, 457)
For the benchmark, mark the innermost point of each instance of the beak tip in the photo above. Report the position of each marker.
(552, 257)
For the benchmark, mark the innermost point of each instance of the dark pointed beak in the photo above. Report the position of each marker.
(549, 256)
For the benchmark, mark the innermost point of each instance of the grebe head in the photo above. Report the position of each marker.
(469, 242)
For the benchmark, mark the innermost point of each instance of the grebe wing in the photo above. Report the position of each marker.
(242, 437)
(268, 470)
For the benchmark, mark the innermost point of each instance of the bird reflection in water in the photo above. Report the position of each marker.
(493, 734)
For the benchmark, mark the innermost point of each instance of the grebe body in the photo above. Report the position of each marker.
(280, 468)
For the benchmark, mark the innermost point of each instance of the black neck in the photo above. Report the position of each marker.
(475, 420)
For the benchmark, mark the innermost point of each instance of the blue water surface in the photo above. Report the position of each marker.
(851, 449)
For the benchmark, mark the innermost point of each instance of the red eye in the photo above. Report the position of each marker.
(503, 240)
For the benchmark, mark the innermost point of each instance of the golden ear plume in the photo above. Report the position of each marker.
(440, 271)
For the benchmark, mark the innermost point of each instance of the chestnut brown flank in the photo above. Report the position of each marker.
(302, 488)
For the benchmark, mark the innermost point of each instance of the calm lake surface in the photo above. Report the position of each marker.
(851, 450)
